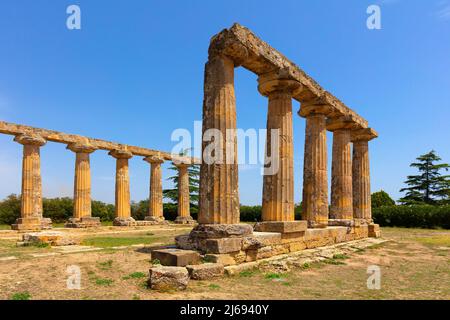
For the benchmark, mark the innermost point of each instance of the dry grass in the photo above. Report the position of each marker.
(414, 265)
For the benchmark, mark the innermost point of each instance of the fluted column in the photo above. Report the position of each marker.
(362, 207)
(184, 215)
(315, 175)
(155, 212)
(123, 209)
(82, 211)
(278, 181)
(31, 212)
(219, 194)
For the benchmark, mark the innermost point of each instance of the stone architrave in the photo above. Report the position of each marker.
(31, 211)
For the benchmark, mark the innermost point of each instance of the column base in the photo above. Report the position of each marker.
(317, 225)
(282, 226)
(124, 222)
(184, 220)
(32, 224)
(84, 222)
(341, 223)
(155, 219)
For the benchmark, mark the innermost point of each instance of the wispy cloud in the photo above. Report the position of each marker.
(443, 11)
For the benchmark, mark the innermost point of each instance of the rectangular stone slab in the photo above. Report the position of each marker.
(224, 245)
(176, 257)
(282, 226)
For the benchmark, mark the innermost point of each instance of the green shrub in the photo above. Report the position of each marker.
(10, 209)
(381, 199)
(413, 216)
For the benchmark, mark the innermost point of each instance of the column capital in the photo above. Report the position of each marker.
(342, 123)
(121, 154)
(30, 139)
(181, 165)
(154, 159)
(278, 81)
(81, 147)
(315, 107)
(366, 134)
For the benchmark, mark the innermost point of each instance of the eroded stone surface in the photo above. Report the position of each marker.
(205, 271)
(282, 226)
(176, 257)
(168, 278)
(52, 238)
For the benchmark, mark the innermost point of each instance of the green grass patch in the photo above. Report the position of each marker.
(333, 262)
(136, 297)
(108, 242)
(135, 275)
(105, 265)
(214, 286)
(21, 296)
(340, 256)
(442, 241)
(5, 227)
(103, 281)
(246, 273)
(273, 275)
(156, 262)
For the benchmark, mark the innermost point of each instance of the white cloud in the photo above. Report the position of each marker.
(443, 12)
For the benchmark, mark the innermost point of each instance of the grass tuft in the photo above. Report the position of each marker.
(21, 296)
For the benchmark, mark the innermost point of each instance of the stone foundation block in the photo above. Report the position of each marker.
(184, 242)
(52, 238)
(124, 222)
(282, 226)
(297, 246)
(223, 259)
(374, 230)
(260, 239)
(85, 222)
(205, 271)
(156, 220)
(217, 231)
(341, 222)
(176, 257)
(168, 278)
(224, 245)
(32, 224)
(185, 220)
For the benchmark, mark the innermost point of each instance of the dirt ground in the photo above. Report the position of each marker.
(414, 264)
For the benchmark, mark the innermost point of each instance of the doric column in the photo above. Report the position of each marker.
(278, 181)
(31, 212)
(155, 211)
(184, 215)
(123, 209)
(219, 193)
(362, 208)
(341, 210)
(82, 212)
(315, 175)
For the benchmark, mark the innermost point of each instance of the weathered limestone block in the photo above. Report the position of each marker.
(361, 232)
(282, 226)
(168, 278)
(224, 245)
(184, 220)
(205, 271)
(124, 222)
(266, 252)
(176, 257)
(52, 238)
(223, 259)
(216, 231)
(184, 242)
(374, 230)
(83, 222)
(260, 239)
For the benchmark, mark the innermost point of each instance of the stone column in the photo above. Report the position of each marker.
(123, 209)
(341, 210)
(315, 175)
(278, 181)
(31, 212)
(155, 211)
(184, 215)
(362, 207)
(219, 193)
(82, 212)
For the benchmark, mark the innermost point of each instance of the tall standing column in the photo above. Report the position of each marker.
(362, 207)
(315, 175)
(278, 181)
(184, 215)
(155, 211)
(82, 211)
(31, 211)
(123, 209)
(219, 193)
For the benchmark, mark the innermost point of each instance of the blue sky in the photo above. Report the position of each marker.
(134, 73)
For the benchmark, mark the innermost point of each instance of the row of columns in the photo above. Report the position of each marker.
(31, 199)
(350, 188)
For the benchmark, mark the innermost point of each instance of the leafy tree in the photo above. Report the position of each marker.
(430, 186)
(10, 209)
(194, 183)
(381, 199)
